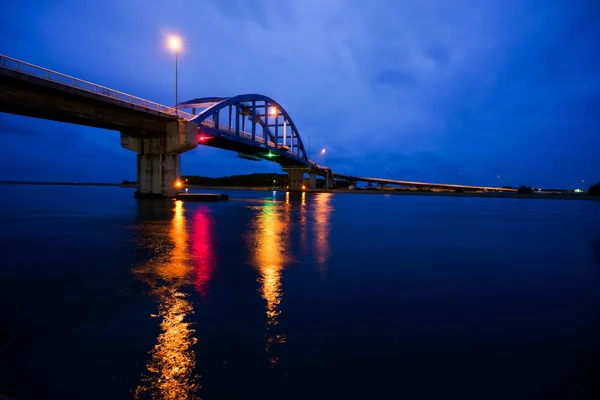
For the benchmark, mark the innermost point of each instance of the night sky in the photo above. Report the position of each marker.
(416, 90)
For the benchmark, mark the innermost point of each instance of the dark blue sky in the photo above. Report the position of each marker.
(426, 88)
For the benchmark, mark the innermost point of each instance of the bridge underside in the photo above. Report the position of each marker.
(249, 148)
(157, 138)
(31, 96)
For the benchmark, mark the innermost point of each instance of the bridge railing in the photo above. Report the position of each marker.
(47, 74)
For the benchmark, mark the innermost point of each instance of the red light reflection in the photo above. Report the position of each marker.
(202, 250)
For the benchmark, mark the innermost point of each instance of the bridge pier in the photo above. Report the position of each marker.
(312, 180)
(329, 180)
(295, 178)
(158, 158)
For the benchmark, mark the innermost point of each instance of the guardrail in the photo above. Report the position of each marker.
(47, 74)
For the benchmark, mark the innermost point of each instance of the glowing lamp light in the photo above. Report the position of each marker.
(273, 111)
(303, 187)
(174, 43)
(178, 184)
(323, 151)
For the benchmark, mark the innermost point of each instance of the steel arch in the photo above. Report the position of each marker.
(246, 106)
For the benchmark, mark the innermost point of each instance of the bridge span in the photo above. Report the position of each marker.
(383, 182)
(255, 126)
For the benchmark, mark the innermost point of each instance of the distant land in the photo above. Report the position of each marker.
(272, 181)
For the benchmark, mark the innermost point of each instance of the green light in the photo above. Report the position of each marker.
(270, 155)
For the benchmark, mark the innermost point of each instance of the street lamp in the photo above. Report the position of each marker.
(275, 112)
(323, 154)
(175, 46)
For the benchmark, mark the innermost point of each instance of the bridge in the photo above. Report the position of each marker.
(382, 183)
(253, 125)
(257, 127)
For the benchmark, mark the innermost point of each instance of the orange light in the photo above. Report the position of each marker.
(178, 184)
(303, 187)
(273, 111)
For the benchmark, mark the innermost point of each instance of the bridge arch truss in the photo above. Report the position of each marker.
(251, 118)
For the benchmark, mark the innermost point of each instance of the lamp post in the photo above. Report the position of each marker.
(323, 154)
(175, 45)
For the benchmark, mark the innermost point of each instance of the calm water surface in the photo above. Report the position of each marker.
(275, 296)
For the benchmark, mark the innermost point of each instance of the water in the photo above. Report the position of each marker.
(317, 296)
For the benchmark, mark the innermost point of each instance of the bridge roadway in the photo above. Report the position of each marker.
(383, 182)
(255, 126)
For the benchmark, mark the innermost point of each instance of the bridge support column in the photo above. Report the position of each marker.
(382, 186)
(329, 180)
(158, 158)
(312, 180)
(295, 178)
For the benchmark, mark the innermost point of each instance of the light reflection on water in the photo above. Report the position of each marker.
(303, 227)
(187, 257)
(269, 244)
(202, 249)
(322, 212)
(170, 370)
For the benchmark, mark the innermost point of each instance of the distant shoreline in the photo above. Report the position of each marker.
(551, 196)
(538, 196)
